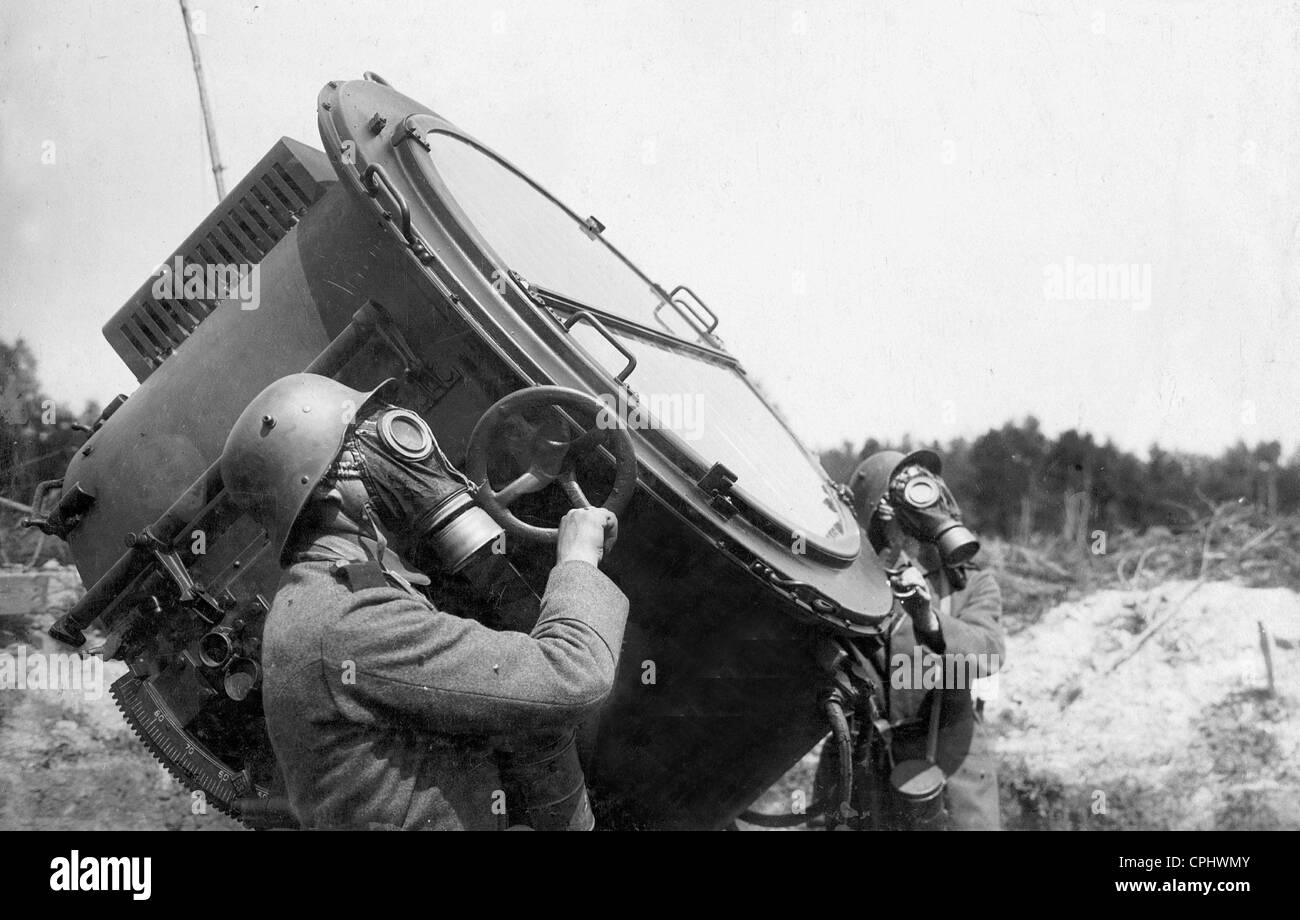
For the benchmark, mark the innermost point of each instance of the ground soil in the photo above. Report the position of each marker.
(1184, 734)
(69, 761)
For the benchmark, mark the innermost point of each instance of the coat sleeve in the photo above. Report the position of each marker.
(974, 628)
(394, 659)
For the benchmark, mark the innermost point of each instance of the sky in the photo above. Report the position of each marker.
(922, 218)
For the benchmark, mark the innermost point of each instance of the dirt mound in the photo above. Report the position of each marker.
(1104, 722)
(1142, 709)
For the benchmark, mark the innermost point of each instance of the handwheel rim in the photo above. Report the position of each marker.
(618, 441)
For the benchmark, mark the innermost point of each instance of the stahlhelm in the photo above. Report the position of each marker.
(283, 443)
(920, 501)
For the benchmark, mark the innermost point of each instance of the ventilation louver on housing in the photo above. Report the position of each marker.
(248, 223)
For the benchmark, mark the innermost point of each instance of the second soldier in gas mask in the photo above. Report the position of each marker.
(948, 626)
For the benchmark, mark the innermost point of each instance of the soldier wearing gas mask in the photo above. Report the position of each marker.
(946, 637)
(384, 711)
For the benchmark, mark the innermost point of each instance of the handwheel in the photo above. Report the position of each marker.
(549, 457)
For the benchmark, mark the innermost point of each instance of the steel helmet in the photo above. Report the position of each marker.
(870, 481)
(283, 443)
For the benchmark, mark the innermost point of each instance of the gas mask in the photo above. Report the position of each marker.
(417, 495)
(926, 510)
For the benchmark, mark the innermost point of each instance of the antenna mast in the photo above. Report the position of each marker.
(211, 129)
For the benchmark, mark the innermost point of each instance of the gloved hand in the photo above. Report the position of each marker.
(586, 535)
(914, 595)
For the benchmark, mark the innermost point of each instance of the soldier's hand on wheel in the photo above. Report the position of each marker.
(586, 535)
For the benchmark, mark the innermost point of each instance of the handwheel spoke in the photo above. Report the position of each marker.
(523, 485)
(572, 490)
(588, 440)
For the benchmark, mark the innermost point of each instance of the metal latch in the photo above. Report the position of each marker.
(414, 370)
(104, 416)
(191, 594)
(72, 504)
(717, 483)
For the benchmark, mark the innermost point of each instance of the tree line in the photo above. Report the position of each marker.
(1016, 482)
(37, 436)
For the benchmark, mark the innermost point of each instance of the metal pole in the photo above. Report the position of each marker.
(1266, 644)
(208, 126)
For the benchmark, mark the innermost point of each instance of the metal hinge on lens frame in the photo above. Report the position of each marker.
(411, 132)
(800, 591)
